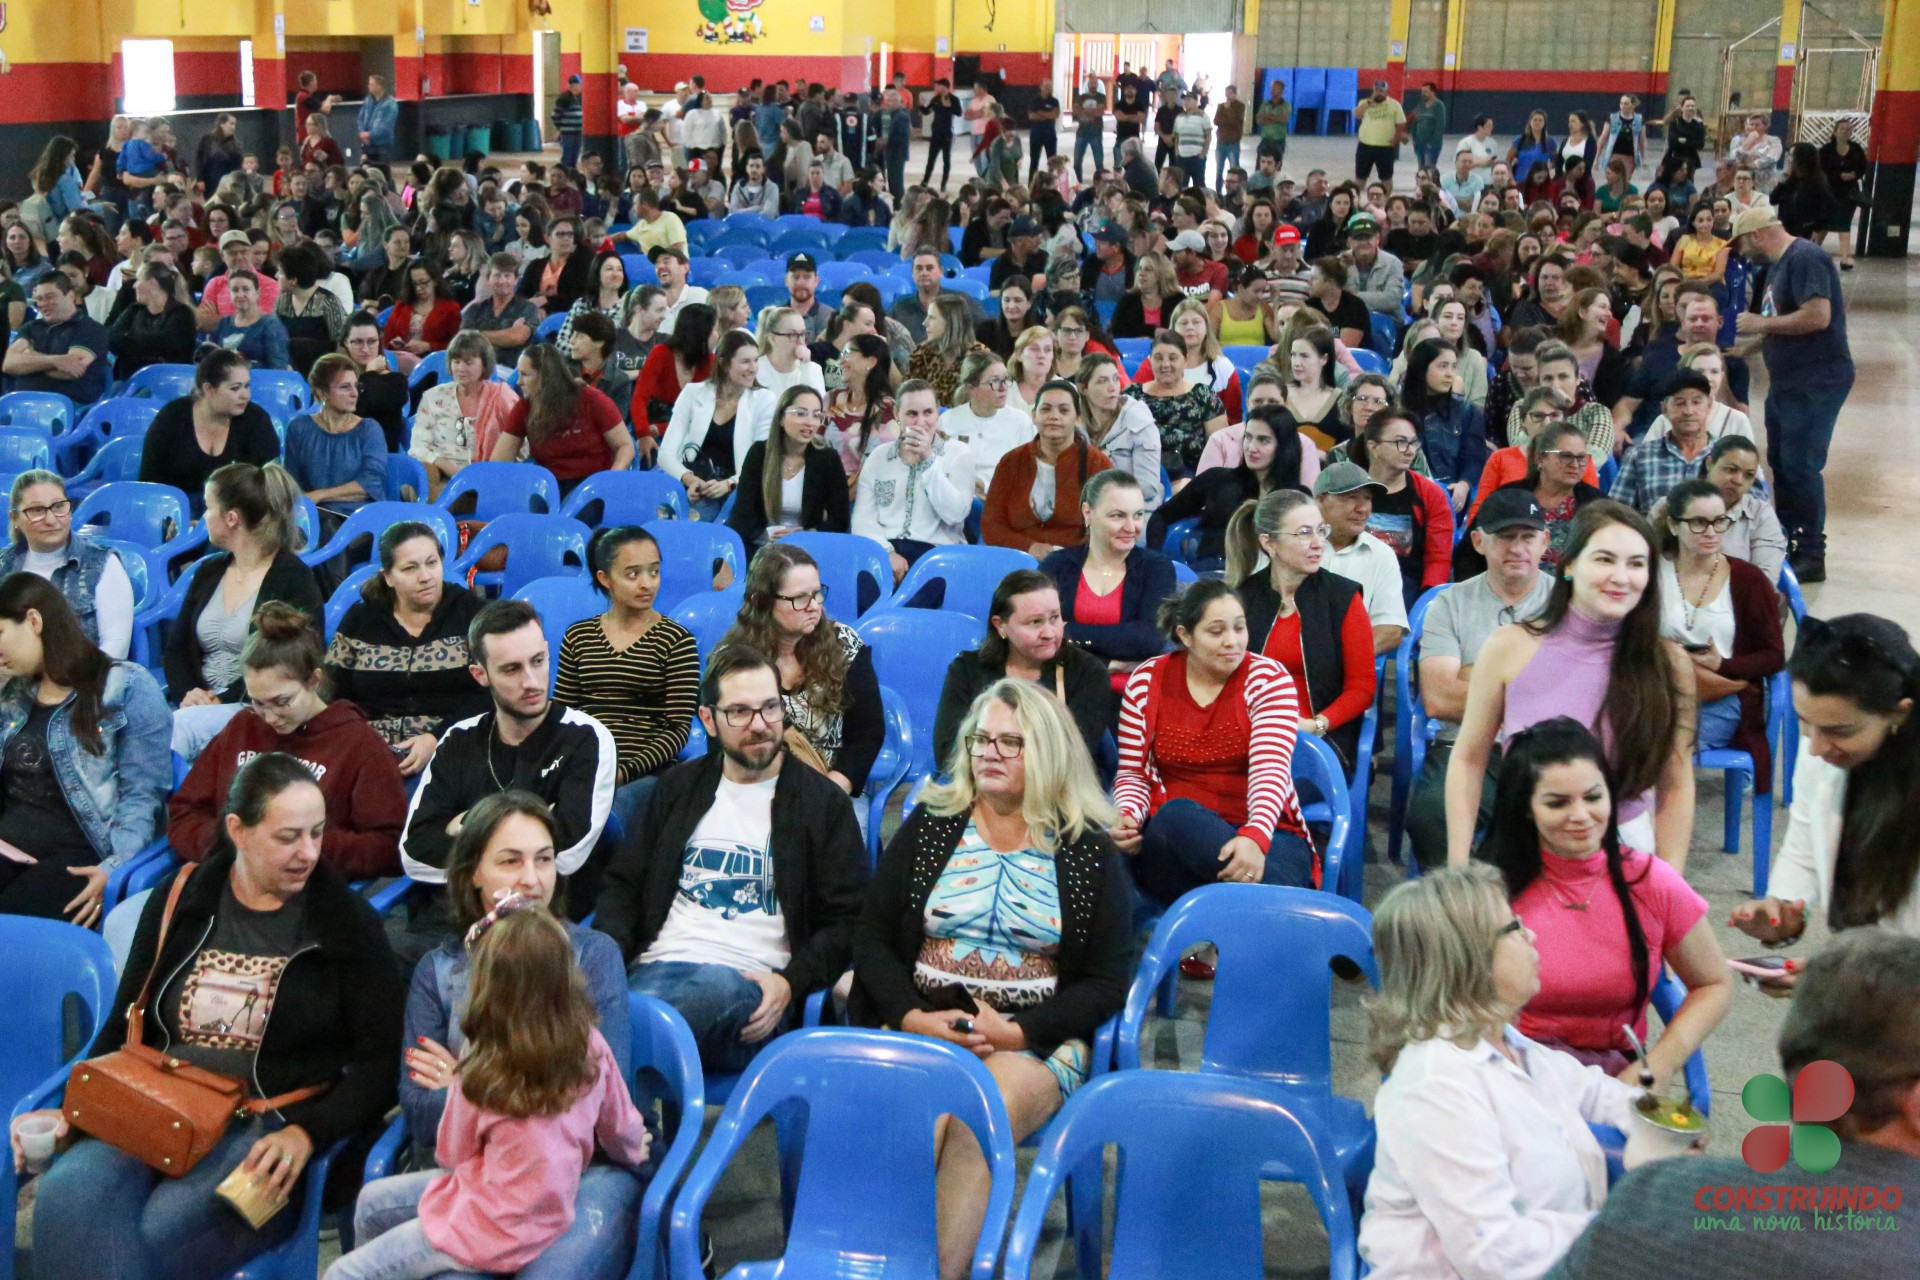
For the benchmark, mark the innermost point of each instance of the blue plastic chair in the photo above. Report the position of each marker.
(1666, 998)
(117, 460)
(1182, 540)
(704, 273)
(1133, 350)
(106, 421)
(838, 275)
(708, 614)
(502, 487)
(25, 449)
(1342, 95)
(912, 649)
(789, 243)
(550, 327)
(162, 381)
(561, 602)
(639, 268)
(1317, 765)
(890, 767)
(1309, 94)
(143, 512)
(745, 227)
(1739, 771)
(1371, 361)
(860, 240)
(1384, 333)
(845, 559)
(1787, 753)
(149, 623)
(373, 519)
(281, 392)
(48, 411)
(434, 364)
(148, 577)
(738, 253)
(1412, 730)
(762, 296)
(970, 575)
(1284, 76)
(1183, 1141)
(864, 1198)
(1272, 1000)
(298, 1257)
(975, 289)
(406, 479)
(60, 984)
(690, 551)
(877, 260)
(628, 497)
(538, 546)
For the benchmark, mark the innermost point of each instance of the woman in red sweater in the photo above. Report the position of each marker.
(1205, 787)
(358, 772)
(1311, 621)
(568, 427)
(424, 321)
(1033, 504)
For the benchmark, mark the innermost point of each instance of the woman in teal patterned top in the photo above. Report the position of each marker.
(999, 920)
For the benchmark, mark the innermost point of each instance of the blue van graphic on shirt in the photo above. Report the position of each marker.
(728, 877)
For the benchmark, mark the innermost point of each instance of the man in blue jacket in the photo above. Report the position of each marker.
(378, 115)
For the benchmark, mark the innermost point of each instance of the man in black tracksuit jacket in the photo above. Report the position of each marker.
(705, 873)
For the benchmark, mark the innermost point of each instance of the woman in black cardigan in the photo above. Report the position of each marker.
(1113, 558)
(1033, 1013)
(805, 489)
(1269, 460)
(1026, 640)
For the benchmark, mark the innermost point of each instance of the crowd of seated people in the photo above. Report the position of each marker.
(1114, 737)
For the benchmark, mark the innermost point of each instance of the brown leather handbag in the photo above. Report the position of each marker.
(155, 1107)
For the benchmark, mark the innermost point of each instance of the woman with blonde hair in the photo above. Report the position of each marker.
(1023, 804)
(792, 480)
(1485, 1163)
(1149, 307)
(949, 338)
(1030, 367)
(1119, 425)
(461, 417)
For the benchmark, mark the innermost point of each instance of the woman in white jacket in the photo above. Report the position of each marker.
(714, 423)
(1849, 848)
(1121, 427)
(915, 491)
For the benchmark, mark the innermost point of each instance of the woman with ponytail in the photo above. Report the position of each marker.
(1554, 839)
(1850, 846)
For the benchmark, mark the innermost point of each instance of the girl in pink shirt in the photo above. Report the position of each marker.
(1605, 918)
(538, 1090)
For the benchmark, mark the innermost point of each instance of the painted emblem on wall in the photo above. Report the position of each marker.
(730, 21)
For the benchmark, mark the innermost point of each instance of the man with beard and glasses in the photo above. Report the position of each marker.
(525, 743)
(734, 896)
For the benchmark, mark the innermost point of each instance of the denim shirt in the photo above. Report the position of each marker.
(1453, 438)
(68, 196)
(118, 797)
(376, 120)
(78, 577)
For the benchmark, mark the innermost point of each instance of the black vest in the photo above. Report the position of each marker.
(1322, 602)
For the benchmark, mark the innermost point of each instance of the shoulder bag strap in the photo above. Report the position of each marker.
(137, 1015)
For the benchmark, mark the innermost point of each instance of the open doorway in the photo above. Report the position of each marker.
(546, 77)
(1209, 54)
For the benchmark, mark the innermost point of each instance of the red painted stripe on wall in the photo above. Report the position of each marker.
(659, 72)
(1015, 68)
(516, 73)
(917, 67)
(1489, 81)
(406, 78)
(338, 69)
(56, 92)
(473, 72)
(1896, 126)
(206, 73)
(1783, 87)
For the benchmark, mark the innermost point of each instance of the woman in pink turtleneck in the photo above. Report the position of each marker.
(1595, 654)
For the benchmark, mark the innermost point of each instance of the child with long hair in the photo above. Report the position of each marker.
(537, 1091)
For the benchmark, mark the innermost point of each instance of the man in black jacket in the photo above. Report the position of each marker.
(565, 757)
(735, 894)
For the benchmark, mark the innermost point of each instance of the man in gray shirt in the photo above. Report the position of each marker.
(1511, 533)
(928, 284)
(1853, 1015)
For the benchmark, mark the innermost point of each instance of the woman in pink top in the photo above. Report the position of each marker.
(538, 1091)
(1604, 917)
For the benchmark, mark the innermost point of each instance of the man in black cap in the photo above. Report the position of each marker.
(569, 121)
(1106, 274)
(1382, 128)
(1511, 534)
(1024, 258)
(1379, 279)
(803, 284)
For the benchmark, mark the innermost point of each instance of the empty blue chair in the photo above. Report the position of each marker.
(1740, 774)
(406, 478)
(860, 240)
(433, 365)
(1384, 334)
(762, 296)
(49, 411)
(738, 253)
(892, 288)
(751, 229)
(975, 289)
(281, 392)
(1342, 95)
(375, 518)
(538, 546)
(24, 449)
(690, 551)
(1133, 350)
(1183, 1141)
(60, 983)
(502, 487)
(864, 1199)
(122, 415)
(703, 273)
(838, 275)
(639, 269)
(1309, 94)
(154, 515)
(764, 271)
(1182, 540)
(118, 459)
(162, 381)
(1272, 1000)
(970, 575)
(550, 327)
(954, 235)
(1244, 357)
(796, 222)
(846, 559)
(746, 277)
(708, 614)
(627, 497)
(789, 243)
(877, 260)
(1371, 361)
(912, 649)
(1788, 751)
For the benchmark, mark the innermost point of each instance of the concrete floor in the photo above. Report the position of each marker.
(1870, 475)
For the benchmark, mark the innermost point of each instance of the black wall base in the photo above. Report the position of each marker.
(1890, 219)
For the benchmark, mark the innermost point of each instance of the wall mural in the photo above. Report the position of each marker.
(730, 21)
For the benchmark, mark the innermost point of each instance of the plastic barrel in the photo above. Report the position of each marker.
(504, 137)
(439, 145)
(532, 140)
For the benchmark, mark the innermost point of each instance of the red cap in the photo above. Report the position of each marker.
(1286, 233)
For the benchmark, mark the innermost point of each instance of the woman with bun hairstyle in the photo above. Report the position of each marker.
(287, 711)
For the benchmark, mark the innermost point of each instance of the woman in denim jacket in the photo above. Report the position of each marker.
(84, 765)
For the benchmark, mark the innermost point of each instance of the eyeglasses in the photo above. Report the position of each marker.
(1312, 533)
(740, 717)
(1539, 416)
(796, 334)
(55, 511)
(1007, 745)
(281, 703)
(1700, 524)
(996, 384)
(1405, 444)
(1071, 331)
(1562, 455)
(1372, 402)
(817, 596)
(1514, 925)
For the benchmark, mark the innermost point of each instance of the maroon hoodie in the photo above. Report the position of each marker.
(358, 775)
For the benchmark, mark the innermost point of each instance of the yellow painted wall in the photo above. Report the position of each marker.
(672, 26)
(71, 32)
(1022, 27)
(169, 19)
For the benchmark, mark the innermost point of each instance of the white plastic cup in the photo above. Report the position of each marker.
(37, 1135)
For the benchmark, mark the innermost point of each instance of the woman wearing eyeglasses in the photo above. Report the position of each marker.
(932, 947)
(827, 682)
(1724, 613)
(1539, 408)
(1411, 513)
(1556, 458)
(88, 574)
(786, 360)
(1205, 787)
(1312, 621)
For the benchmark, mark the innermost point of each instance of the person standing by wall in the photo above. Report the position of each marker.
(1043, 131)
(378, 115)
(1383, 127)
(1429, 127)
(1802, 323)
(1229, 126)
(1089, 121)
(569, 120)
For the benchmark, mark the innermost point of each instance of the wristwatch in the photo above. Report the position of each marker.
(1320, 726)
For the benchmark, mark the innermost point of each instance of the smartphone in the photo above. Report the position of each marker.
(1763, 966)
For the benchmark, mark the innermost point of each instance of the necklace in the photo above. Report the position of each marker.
(1568, 902)
(493, 772)
(1690, 609)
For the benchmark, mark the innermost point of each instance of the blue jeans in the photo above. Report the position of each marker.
(1226, 155)
(1799, 429)
(1085, 140)
(1195, 169)
(717, 1002)
(570, 150)
(393, 1246)
(1426, 155)
(707, 509)
(103, 1215)
(1718, 721)
(630, 801)
(1180, 850)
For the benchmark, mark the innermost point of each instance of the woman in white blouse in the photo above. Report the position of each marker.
(786, 361)
(1856, 788)
(715, 422)
(1484, 1165)
(983, 420)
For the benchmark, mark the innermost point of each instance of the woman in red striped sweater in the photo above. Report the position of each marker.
(1205, 788)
